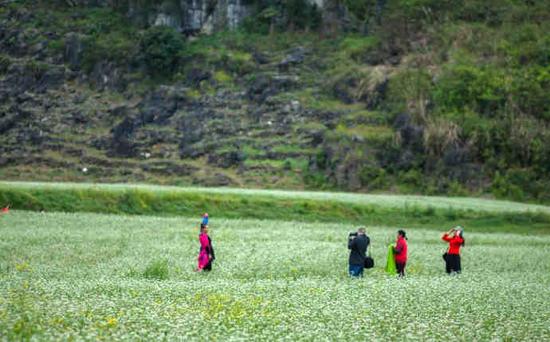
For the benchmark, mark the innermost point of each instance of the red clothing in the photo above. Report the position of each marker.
(205, 251)
(400, 250)
(455, 243)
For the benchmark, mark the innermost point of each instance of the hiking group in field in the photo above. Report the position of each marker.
(358, 244)
(397, 257)
(359, 258)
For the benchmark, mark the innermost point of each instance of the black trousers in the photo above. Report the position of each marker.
(400, 268)
(452, 263)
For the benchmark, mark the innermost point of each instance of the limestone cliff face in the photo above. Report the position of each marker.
(187, 16)
(192, 16)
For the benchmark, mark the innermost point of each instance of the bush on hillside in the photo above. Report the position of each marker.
(161, 47)
(529, 91)
(465, 86)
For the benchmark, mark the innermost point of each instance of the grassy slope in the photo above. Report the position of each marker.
(403, 211)
(481, 68)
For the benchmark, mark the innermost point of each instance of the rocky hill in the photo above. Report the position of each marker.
(406, 96)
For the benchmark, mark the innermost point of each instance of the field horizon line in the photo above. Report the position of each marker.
(385, 210)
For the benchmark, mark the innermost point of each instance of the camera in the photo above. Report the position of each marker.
(352, 235)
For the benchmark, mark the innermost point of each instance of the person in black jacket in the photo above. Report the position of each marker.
(357, 244)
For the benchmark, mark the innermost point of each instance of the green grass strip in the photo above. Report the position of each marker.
(135, 201)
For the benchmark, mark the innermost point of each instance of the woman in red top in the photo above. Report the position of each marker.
(455, 238)
(400, 252)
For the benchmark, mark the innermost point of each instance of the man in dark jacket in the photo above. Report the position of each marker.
(357, 244)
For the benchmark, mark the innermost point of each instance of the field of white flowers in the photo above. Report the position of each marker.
(92, 276)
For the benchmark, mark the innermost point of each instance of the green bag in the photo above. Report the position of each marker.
(390, 261)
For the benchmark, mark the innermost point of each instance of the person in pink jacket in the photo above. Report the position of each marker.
(400, 252)
(206, 252)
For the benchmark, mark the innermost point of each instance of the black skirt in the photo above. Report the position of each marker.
(452, 263)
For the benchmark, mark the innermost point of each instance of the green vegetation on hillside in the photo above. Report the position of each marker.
(423, 96)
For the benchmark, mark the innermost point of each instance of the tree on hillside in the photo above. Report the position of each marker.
(161, 46)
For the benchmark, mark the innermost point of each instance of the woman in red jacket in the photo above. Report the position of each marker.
(400, 252)
(455, 238)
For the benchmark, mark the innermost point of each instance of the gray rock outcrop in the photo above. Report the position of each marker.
(187, 16)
